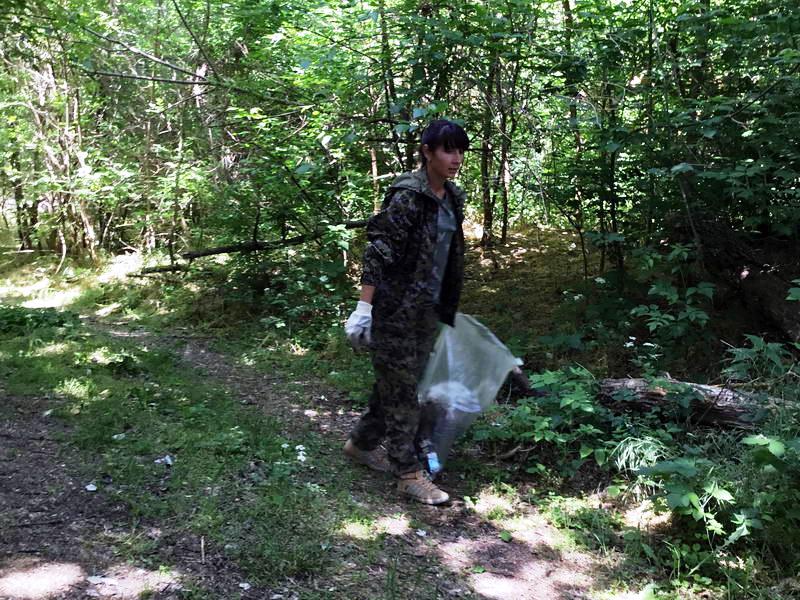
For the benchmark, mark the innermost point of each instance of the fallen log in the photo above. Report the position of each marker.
(254, 246)
(706, 404)
(251, 246)
(176, 268)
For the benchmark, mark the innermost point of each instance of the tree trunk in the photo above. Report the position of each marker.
(706, 404)
(486, 160)
(26, 216)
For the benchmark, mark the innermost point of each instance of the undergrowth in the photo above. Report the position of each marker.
(173, 448)
(730, 497)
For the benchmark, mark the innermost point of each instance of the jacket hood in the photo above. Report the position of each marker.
(418, 182)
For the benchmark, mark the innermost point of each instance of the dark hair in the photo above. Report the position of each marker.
(443, 133)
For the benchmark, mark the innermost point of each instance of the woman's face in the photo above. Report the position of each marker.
(442, 163)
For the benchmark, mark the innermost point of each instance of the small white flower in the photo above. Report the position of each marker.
(300, 448)
(284, 446)
(599, 280)
(629, 344)
(573, 245)
(301, 457)
(630, 337)
(577, 297)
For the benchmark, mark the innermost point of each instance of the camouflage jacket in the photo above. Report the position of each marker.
(398, 259)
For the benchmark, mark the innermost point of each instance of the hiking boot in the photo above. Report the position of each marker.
(419, 487)
(374, 459)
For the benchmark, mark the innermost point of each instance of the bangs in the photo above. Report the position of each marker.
(454, 137)
(445, 134)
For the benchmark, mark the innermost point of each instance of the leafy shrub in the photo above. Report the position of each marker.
(564, 418)
(16, 320)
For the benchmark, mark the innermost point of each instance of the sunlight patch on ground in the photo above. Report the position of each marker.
(358, 530)
(646, 593)
(501, 570)
(75, 388)
(40, 581)
(492, 505)
(52, 349)
(55, 299)
(32, 289)
(131, 583)
(642, 516)
(531, 529)
(394, 525)
(107, 310)
(119, 267)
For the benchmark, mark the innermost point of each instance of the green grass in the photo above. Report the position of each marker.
(236, 484)
(236, 477)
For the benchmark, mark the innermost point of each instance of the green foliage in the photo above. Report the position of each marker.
(565, 422)
(588, 526)
(17, 321)
(762, 359)
(233, 476)
(794, 292)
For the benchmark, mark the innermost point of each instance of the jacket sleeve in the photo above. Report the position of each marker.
(387, 233)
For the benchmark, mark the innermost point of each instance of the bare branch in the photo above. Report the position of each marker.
(139, 52)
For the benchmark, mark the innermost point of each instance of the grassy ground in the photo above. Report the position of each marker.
(252, 421)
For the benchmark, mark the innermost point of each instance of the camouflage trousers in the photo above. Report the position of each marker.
(399, 357)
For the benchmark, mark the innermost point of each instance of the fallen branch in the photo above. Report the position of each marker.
(162, 269)
(252, 246)
(708, 404)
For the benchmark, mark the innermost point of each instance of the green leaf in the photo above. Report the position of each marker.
(756, 440)
(586, 450)
(680, 466)
(722, 495)
(613, 491)
(478, 569)
(419, 112)
(777, 448)
(505, 536)
(682, 168)
(694, 500)
(600, 457)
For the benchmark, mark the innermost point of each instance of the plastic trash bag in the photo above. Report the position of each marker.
(466, 369)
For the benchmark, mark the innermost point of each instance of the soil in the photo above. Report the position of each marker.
(60, 540)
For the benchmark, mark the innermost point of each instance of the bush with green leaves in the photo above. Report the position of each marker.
(16, 320)
(740, 493)
(564, 421)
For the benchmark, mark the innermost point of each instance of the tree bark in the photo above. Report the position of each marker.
(486, 159)
(707, 404)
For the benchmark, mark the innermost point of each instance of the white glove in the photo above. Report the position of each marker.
(358, 325)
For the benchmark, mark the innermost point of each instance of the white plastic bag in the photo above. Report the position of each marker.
(465, 371)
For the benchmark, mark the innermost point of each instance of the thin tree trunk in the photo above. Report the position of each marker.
(26, 218)
(486, 159)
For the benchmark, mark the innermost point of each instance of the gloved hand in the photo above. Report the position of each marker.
(358, 325)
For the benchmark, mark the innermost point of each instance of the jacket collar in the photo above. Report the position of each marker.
(418, 181)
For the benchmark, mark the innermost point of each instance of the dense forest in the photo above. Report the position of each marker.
(238, 147)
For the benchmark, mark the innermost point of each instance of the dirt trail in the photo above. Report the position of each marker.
(57, 536)
(53, 530)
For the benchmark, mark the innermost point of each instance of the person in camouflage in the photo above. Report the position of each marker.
(412, 279)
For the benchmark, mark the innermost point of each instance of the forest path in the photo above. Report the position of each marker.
(451, 551)
(59, 537)
(62, 539)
